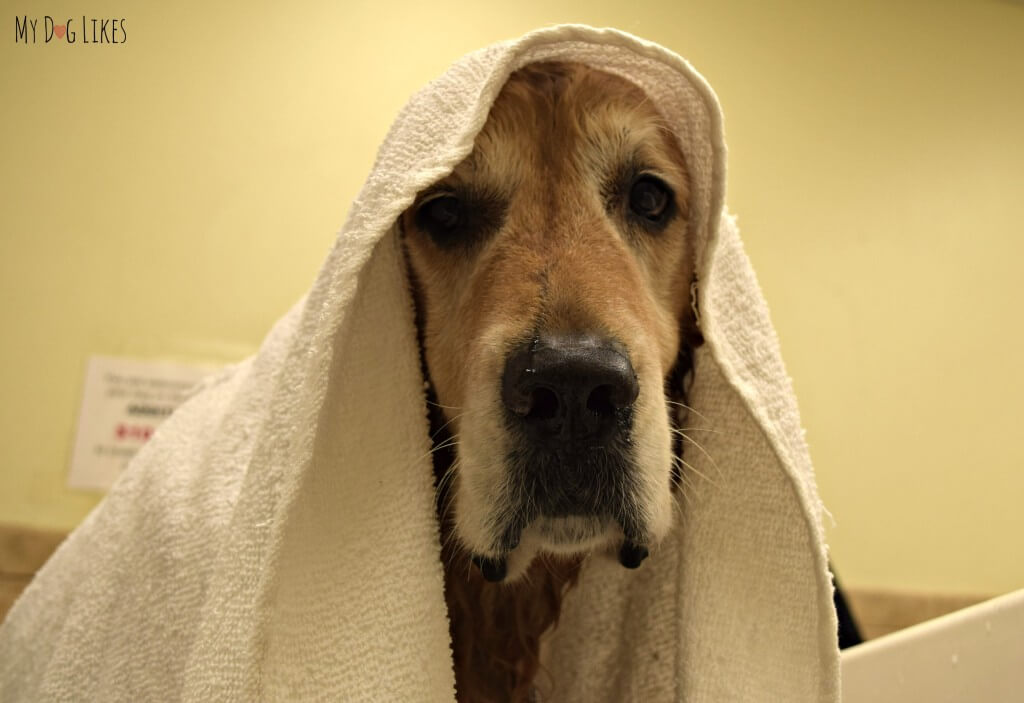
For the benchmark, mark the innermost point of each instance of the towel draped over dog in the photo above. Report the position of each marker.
(277, 539)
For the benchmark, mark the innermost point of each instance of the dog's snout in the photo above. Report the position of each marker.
(569, 387)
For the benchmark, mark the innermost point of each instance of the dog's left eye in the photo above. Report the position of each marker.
(440, 214)
(650, 198)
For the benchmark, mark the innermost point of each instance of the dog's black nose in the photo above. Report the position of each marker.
(568, 388)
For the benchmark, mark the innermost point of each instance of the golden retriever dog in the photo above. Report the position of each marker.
(552, 275)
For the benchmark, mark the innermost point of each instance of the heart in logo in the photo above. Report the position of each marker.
(59, 30)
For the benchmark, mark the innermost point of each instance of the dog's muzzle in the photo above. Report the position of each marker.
(569, 410)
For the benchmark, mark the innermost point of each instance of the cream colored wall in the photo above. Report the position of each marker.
(173, 195)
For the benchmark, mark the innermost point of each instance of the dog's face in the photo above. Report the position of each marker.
(552, 272)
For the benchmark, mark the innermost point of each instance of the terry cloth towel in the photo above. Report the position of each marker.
(277, 538)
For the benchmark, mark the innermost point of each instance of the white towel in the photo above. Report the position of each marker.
(277, 538)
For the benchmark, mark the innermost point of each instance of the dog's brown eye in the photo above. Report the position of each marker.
(440, 214)
(650, 198)
(462, 220)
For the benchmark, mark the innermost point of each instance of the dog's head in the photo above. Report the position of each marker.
(552, 272)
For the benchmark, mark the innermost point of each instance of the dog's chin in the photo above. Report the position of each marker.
(571, 533)
(562, 537)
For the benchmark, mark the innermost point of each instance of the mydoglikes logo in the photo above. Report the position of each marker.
(74, 30)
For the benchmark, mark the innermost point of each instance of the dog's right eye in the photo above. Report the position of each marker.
(440, 216)
(462, 220)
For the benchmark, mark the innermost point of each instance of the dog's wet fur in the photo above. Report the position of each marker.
(552, 274)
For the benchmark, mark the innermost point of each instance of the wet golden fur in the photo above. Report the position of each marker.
(557, 251)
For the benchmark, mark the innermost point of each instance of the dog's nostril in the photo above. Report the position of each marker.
(544, 406)
(599, 401)
(571, 387)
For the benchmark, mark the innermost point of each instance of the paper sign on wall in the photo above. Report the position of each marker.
(123, 402)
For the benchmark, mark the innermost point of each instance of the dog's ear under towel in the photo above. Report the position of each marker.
(278, 539)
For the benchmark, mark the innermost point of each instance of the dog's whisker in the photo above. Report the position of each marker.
(440, 405)
(686, 487)
(696, 471)
(458, 416)
(444, 445)
(444, 485)
(449, 477)
(447, 548)
(686, 407)
(441, 429)
(703, 451)
(684, 494)
(452, 441)
(682, 430)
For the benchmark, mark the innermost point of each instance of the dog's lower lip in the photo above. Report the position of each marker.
(493, 569)
(631, 555)
(570, 529)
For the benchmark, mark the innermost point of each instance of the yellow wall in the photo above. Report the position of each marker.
(173, 195)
